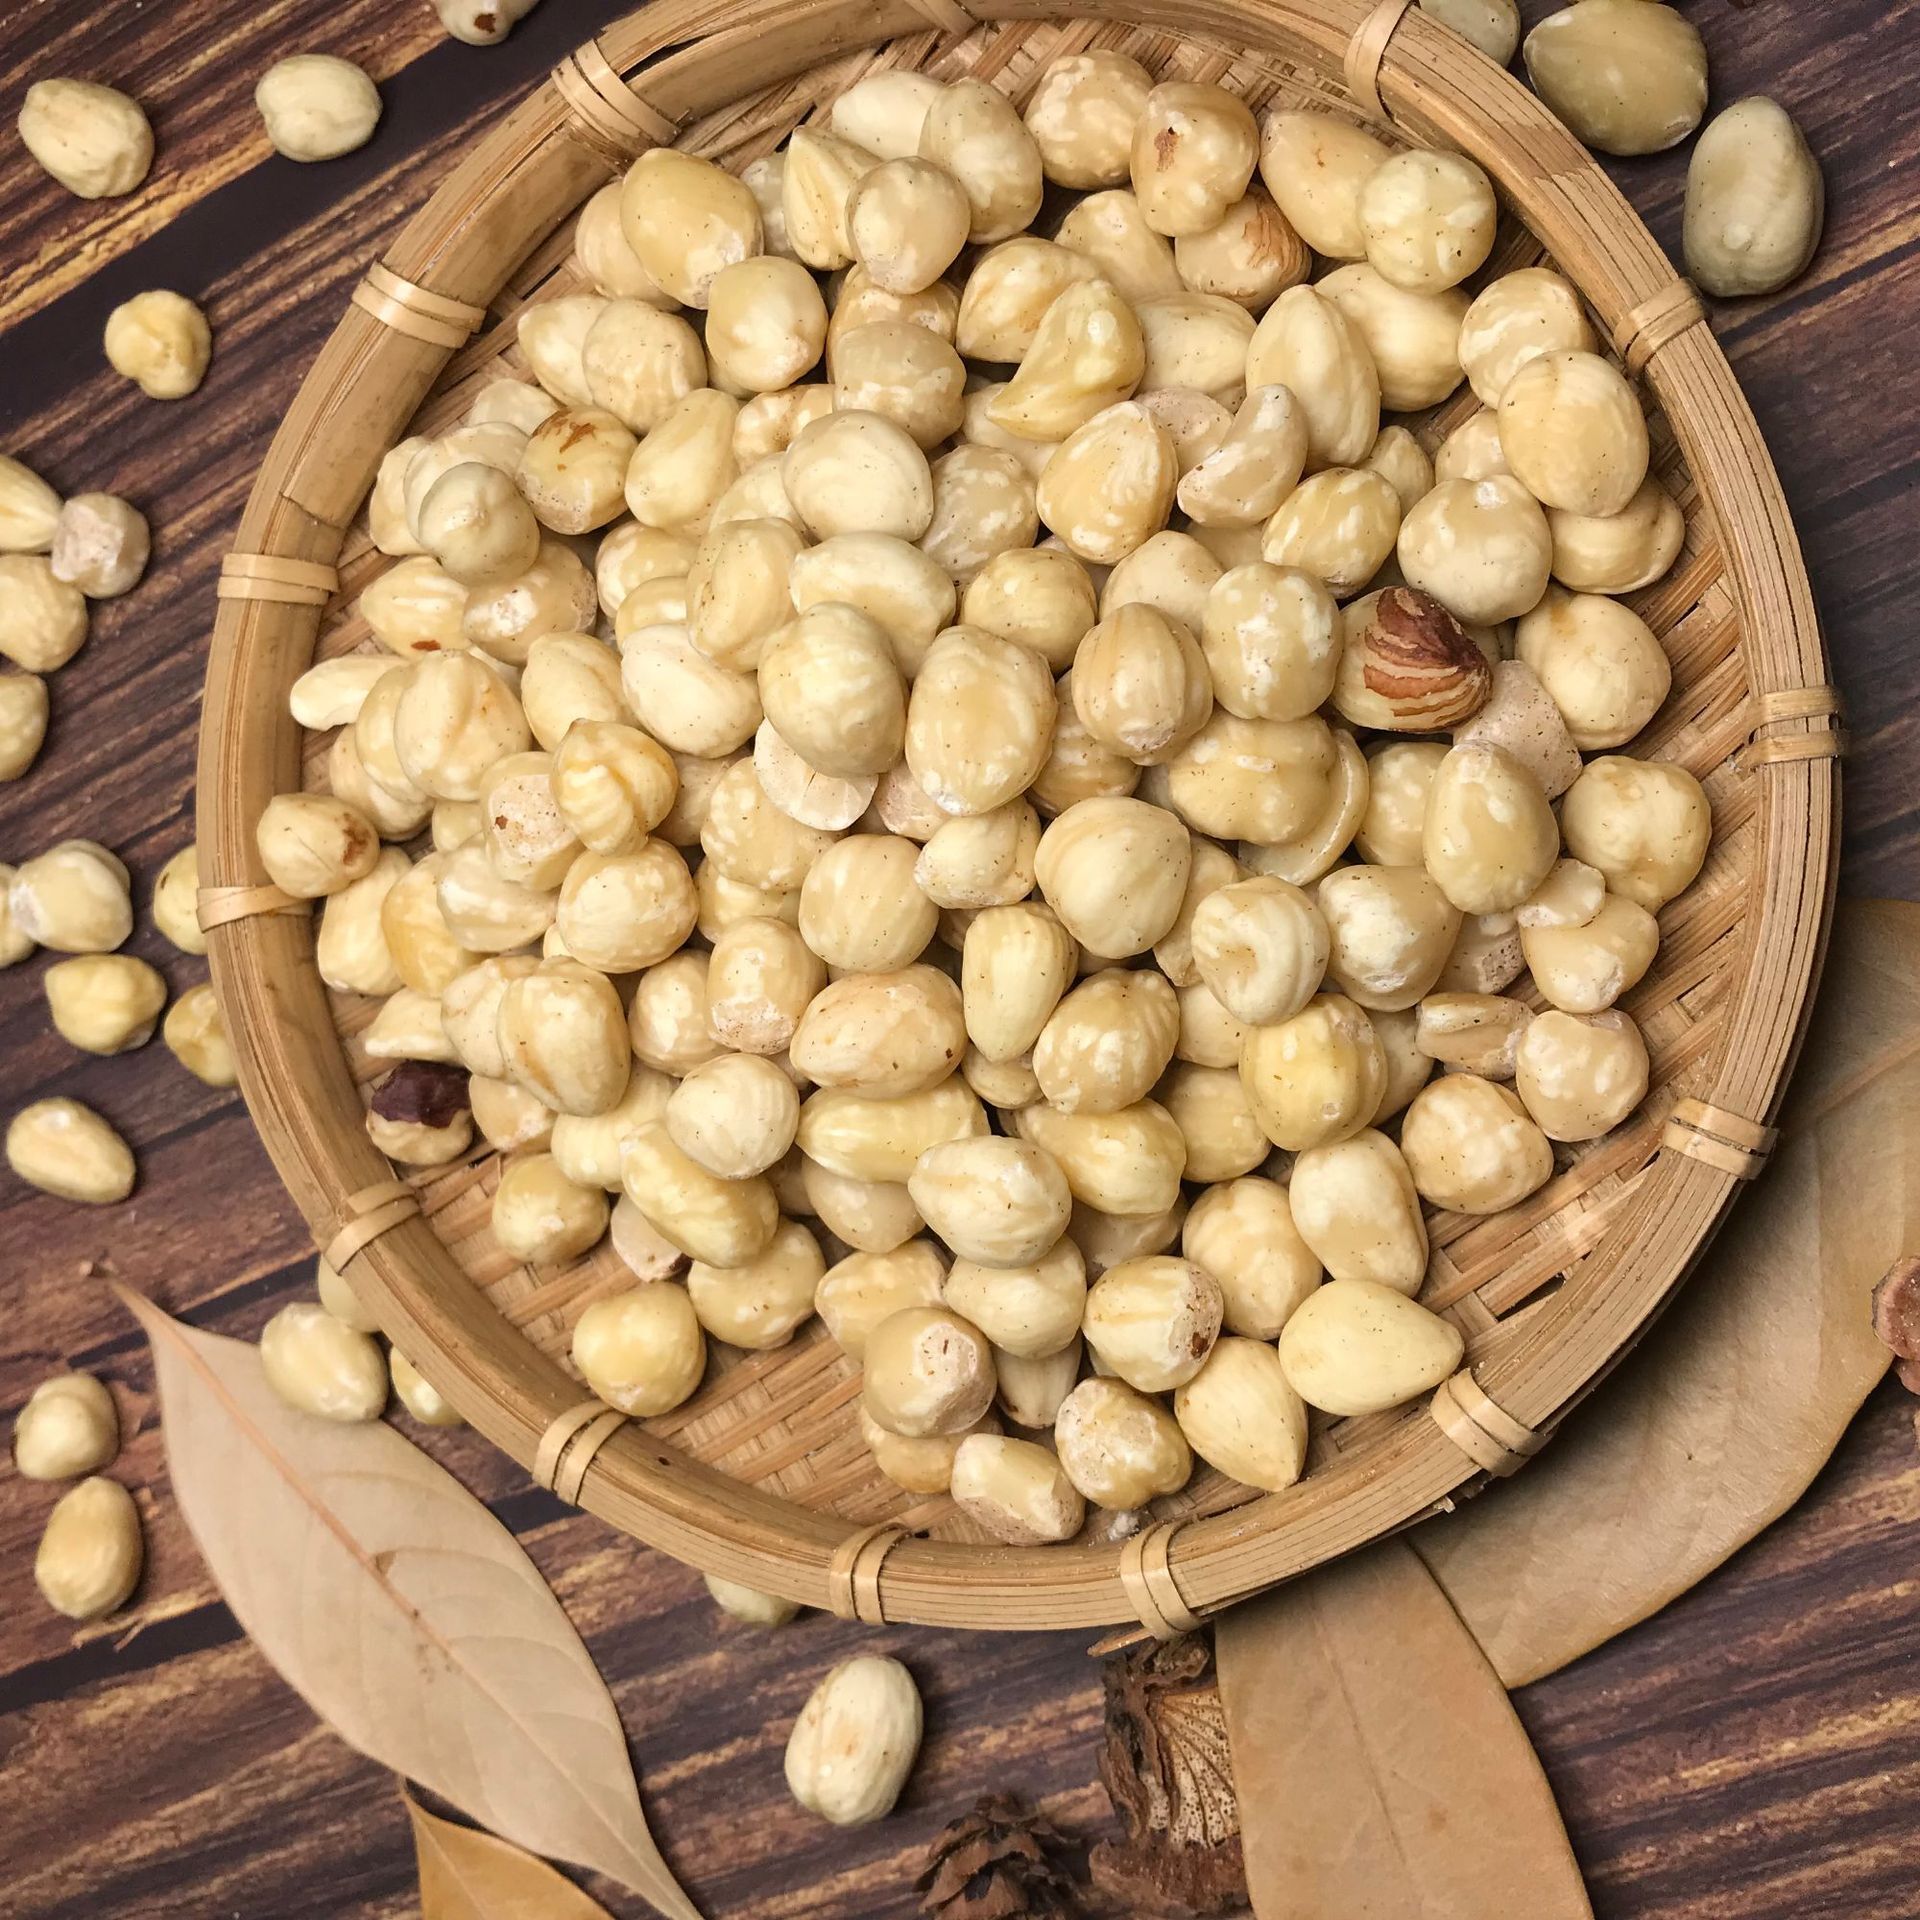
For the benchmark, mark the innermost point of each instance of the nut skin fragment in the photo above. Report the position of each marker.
(1409, 665)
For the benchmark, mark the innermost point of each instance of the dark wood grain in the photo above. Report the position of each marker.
(1753, 1754)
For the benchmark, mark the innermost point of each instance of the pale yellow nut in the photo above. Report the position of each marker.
(1570, 896)
(1471, 1147)
(1110, 231)
(340, 1300)
(857, 1294)
(317, 106)
(1016, 1489)
(1016, 964)
(352, 949)
(100, 545)
(873, 1139)
(631, 556)
(1115, 871)
(331, 692)
(1212, 868)
(1209, 1105)
(1755, 201)
(722, 902)
(1106, 1239)
(1033, 1391)
(74, 898)
(23, 722)
(1358, 1347)
(104, 1002)
(387, 503)
(1408, 1068)
(454, 718)
(1257, 463)
(94, 140)
(1153, 1321)
(883, 111)
(752, 840)
(1262, 781)
(67, 1150)
(320, 1365)
(691, 704)
(1194, 150)
(486, 912)
(415, 941)
(725, 1222)
(161, 342)
(1195, 343)
(1169, 573)
(1645, 824)
(638, 363)
(906, 223)
(606, 262)
(1250, 254)
(983, 505)
(910, 595)
(976, 134)
(587, 1147)
(982, 860)
(29, 509)
(758, 984)
(1261, 947)
(881, 1034)
(1401, 772)
(871, 1216)
(1338, 526)
(1008, 293)
(855, 1742)
(621, 912)
(1356, 1207)
(1317, 1077)
(1082, 115)
(1243, 1234)
(737, 590)
(686, 220)
(525, 836)
(766, 179)
(641, 1351)
(1585, 969)
(1516, 318)
(860, 909)
(553, 337)
(1573, 432)
(667, 1022)
(1481, 548)
(418, 607)
(1209, 1035)
(766, 324)
(1486, 957)
(830, 684)
(1107, 1042)
(541, 1217)
(927, 1371)
(1087, 353)
(1110, 485)
(1119, 1447)
(1030, 1310)
(1626, 76)
(1489, 835)
(1390, 931)
(1472, 451)
(1127, 1162)
(1428, 219)
(1581, 1075)
(979, 721)
(67, 1428)
(1140, 683)
(1307, 343)
(573, 471)
(407, 1027)
(1271, 638)
(570, 678)
(423, 1401)
(1600, 662)
(1316, 165)
(1477, 1032)
(749, 1604)
(1241, 1415)
(1619, 552)
(43, 620)
(90, 1554)
(1412, 338)
(554, 595)
(995, 1202)
(764, 1303)
(509, 1118)
(858, 300)
(612, 784)
(858, 473)
(816, 187)
(562, 1037)
(1078, 767)
(1491, 25)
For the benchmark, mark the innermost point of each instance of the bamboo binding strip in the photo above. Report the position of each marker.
(758, 1477)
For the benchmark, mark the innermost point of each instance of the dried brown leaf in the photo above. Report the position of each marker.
(1383, 1774)
(400, 1610)
(1719, 1422)
(469, 1875)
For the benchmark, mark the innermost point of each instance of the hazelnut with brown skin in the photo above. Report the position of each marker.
(1408, 665)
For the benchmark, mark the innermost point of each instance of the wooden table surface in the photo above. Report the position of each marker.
(1753, 1754)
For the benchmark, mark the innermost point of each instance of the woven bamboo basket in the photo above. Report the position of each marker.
(762, 1476)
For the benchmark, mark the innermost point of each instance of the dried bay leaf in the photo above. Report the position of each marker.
(400, 1610)
(1719, 1421)
(469, 1875)
(1382, 1773)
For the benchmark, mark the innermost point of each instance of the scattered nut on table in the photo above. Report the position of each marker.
(1627, 76)
(91, 1552)
(317, 106)
(105, 1002)
(1756, 202)
(67, 1428)
(482, 23)
(24, 707)
(161, 342)
(93, 139)
(196, 1036)
(67, 1150)
(320, 1365)
(855, 1741)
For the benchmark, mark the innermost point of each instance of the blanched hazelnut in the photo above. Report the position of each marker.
(1210, 1107)
(67, 1150)
(1077, 766)
(420, 1114)
(553, 336)
(1569, 896)
(573, 473)
(632, 556)
(1581, 1075)
(90, 1554)
(1315, 165)
(94, 140)
(486, 912)
(1271, 638)
(682, 468)
(1470, 1146)
(1115, 871)
(29, 509)
(1016, 963)
(1140, 683)
(692, 704)
(816, 187)
(1082, 115)
(1486, 958)
(976, 134)
(562, 1036)
(856, 299)
(320, 1365)
(1242, 1233)
(43, 620)
(1491, 25)
(1032, 1392)
(1338, 526)
(74, 898)
(1516, 318)
(1481, 548)
(735, 1115)
(1618, 552)
(667, 1022)
(604, 259)
(904, 373)
(1242, 479)
(858, 473)
(1106, 1239)
(1307, 343)
(587, 1147)
(1110, 232)
(351, 949)
(100, 545)
(1428, 219)
(1107, 1042)
(1626, 76)
(1110, 484)
(1262, 781)
(1489, 835)
(1573, 433)
(1153, 1321)
(612, 784)
(1250, 255)
(749, 1604)
(1029, 1309)
(1170, 572)
(763, 1303)
(759, 982)
(1412, 338)
(1644, 823)
(1391, 832)
(1242, 1415)
(570, 678)
(161, 342)
(1016, 1489)
(981, 860)
(1600, 662)
(105, 1002)
(860, 909)
(1087, 353)
(418, 606)
(1317, 1077)
(766, 325)
(1586, 968)
(1195, 343)
(1478, 1032)
(1755, 201)
(725, 1222)
(67, 1428)
(419, 945)
(1358, 1347)
(860, 1292)
(422, 1399)
(686, 220)
(316, 106)
(879, 1139)
(1389, 930)
(641, 1351)
(927, 1372)
(883, 111)
(340, 1300)
(855, 1742)
(541, 1217)
(979, 721)
(1129, 1162)
(1355, 1206)
(407, 1027)
(872, 1216)
(910, 595)
(906, 223)
(1472, 451)
(1119, 1447)
(1260, 945)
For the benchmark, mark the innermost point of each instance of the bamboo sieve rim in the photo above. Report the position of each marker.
(222, 906)
(604, 109)
(1719, 1138)
(1657, 322)
(1784, 706)
(853, 1574)
(1481, 1428)
(418, 312)
(276, 577)
(1150, 1584)
(1365, 53)
(363, 1216)
(568, 1446)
